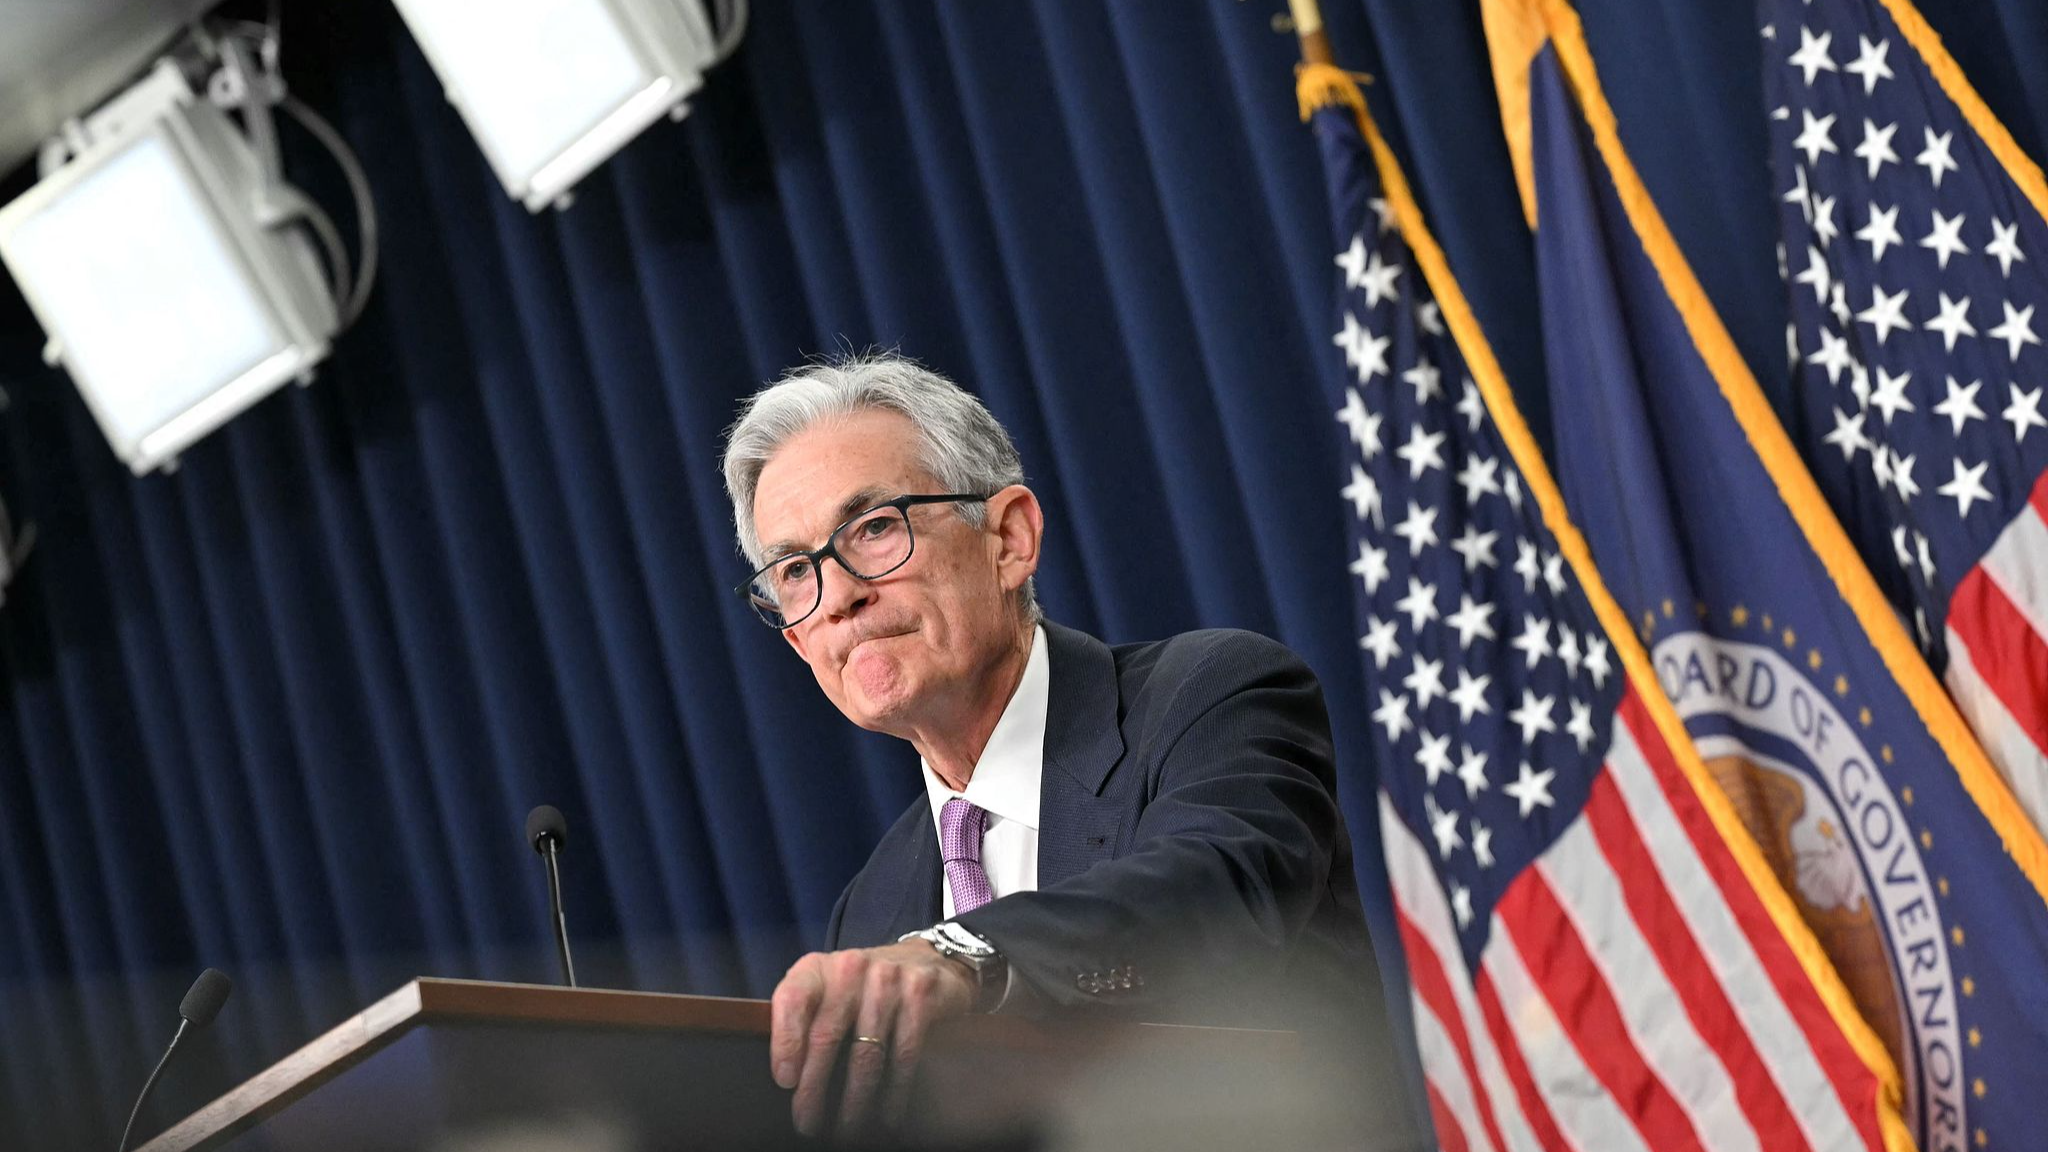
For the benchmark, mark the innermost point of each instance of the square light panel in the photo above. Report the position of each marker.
(552, 88)
(171, 308)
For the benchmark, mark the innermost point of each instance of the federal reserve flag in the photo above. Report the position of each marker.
(1599, 957)
(1801, 689)
(1917, 259)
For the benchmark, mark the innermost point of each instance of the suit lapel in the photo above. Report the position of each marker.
(922, 875)
(1077, 825)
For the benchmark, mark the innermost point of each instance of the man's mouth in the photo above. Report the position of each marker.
(869, 639)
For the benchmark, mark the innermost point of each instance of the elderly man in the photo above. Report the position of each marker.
(1143, 832)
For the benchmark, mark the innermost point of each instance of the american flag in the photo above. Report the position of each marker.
(1589, 965)
(1917, 267)
(1919, 879)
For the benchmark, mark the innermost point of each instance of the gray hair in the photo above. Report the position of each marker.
(960, 444)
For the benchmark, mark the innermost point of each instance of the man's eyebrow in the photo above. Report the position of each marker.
(858, 502)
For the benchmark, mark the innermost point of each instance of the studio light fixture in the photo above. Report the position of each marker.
(552, 88)
(172, 268)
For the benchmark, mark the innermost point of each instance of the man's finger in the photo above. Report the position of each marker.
(791, 1010)
(913, 1019)
(843, 973)
(868, 1059)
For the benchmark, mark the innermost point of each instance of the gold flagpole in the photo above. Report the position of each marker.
(1308, 27)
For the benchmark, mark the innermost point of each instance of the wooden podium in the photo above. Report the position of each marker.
(462, 1065)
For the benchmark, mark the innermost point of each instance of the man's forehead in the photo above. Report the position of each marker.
(831, 471)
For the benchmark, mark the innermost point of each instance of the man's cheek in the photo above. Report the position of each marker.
(828, 681)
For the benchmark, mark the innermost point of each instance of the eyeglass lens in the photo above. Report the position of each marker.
(869, 547)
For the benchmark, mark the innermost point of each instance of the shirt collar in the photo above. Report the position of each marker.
(1006, 777)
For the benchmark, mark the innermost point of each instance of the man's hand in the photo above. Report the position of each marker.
(894, 994)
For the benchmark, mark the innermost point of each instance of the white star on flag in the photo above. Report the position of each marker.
(1968, 485)
(1472, 620)
(1472, 771)
(1477, 477)
(1580, 726)
(1423, 451)
(1876, 149)
(1426, 379)
(1815, 137)
(1470, 696)
(1364, 494)
(1433, 755)
(1392, 714)
(2005, 244)
(1352, 261)
(1596, 660)
(1953, 321)
(1945, 237)
(1935, 156)
(1371, 566)
(2017, 331)
(1531, 789)
(1377, 279)
(1886, 312)
(2024, 412)
(1476, 548)
(1419, 605)
(1444, 826)
(1534, 715)
(1380, 640)
(1848, 434)
(1426, 679)
(1363, 425)
(1961, 405)
(1534, 642)
(1812, 57)
(1419, 529)
(1881, 231)
(1890, 397)
(1869, 62)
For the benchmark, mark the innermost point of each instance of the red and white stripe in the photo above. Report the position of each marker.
(1633, 993)
(1998, 653)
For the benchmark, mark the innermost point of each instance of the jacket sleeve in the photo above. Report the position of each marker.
(833, 925)
(1229, 856)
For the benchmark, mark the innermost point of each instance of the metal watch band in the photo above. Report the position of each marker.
(990, 969)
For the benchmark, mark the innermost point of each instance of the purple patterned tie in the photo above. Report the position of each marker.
(960, 828)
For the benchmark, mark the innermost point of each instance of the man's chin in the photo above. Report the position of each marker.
(876, 691)
(884, 716)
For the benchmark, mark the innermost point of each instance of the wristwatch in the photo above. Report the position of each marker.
(955, 942)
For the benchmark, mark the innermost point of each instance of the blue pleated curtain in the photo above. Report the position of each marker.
(283, 711)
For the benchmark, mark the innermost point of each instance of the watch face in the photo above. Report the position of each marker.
(964, 940)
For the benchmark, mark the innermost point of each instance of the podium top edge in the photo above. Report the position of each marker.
(438, 998)
(427, 1000)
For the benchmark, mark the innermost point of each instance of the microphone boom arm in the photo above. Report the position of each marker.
(555, 901)
(150, 1083)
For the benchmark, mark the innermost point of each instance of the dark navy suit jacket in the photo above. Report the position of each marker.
(1193, 865)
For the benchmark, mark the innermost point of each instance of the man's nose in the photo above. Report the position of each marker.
(841, 593)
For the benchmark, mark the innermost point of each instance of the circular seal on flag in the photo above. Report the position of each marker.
(1831, 826)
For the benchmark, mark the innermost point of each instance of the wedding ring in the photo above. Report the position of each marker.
(871, 1040)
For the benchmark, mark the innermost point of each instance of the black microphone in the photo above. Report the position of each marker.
(200, 1005)
(549, 834)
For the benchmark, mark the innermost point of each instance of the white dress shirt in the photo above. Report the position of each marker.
(1005, 784)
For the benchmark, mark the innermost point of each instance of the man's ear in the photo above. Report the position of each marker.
(1018, 524)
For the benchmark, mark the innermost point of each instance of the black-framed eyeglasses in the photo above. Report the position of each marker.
(869, 545)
